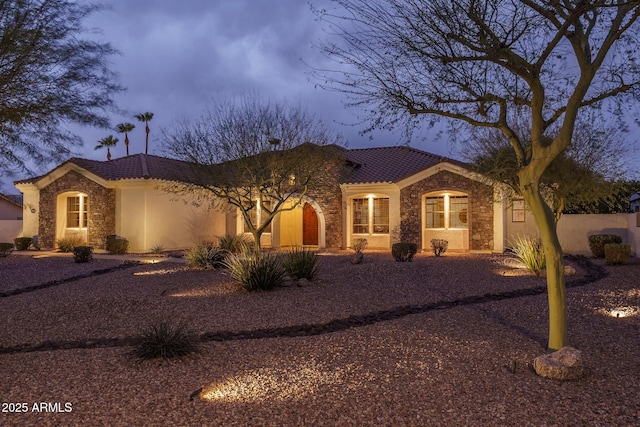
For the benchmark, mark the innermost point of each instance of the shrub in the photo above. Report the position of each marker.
(166, 340)
(439, 246)
(22, 243)
(529, 251)
(157, 249)
(205, 256)
(68, 243)
(360, 245)
(82, 253)
(301, 263)
(404, 251)
(256, 272)
(597, 242)
(117, 245)
(238, 244)
(616, 253)
(6, 249)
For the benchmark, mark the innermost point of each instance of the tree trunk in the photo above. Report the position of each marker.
(545, 221)
(257, 248)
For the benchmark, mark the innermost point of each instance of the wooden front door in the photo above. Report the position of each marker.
(309, 225)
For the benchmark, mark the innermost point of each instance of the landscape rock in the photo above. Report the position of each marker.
(568, 271)
(565, 364)
(303, 282)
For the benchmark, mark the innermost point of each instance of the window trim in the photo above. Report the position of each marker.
(446, 212)
(371, 210)
(82, 213)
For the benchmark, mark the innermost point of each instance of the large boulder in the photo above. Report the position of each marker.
(564, 365)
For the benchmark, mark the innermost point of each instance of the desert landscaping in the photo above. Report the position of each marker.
(343, 349)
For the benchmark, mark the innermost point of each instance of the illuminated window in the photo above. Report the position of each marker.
(447, 212)
(517, 213)
(361, 216)
(77, 211)
(371, 215)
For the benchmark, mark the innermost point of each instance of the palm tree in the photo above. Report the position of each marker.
(109, 141)
(125, 128)
(145, 117)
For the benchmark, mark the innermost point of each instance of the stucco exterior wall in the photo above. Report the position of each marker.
(148, 216)
(481, 209)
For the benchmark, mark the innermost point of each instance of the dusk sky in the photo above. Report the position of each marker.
(177, 55)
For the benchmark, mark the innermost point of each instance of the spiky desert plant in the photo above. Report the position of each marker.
(236, 244)
(301, 263)
(257, 272)
(167, 340)
(205, 256)
(529, 251)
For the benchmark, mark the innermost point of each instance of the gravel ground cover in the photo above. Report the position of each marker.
(467, 365)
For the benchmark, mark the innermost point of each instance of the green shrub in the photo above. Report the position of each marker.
(439, 246)
(616, 253)
(82, 253)
(205, 256)
(117, 245)
(6, 249)
(238, 244)
(68, 243)
(301, 263)
(529, 251)
(360, 245)
(597, 242)
(167, 340)
(404, 251)
(22, 243)
(256, 272)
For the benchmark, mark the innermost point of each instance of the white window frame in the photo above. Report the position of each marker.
(371, 226)
(82, 213)
(446, 195)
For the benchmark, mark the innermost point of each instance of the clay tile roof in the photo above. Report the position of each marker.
(391, 164)
(137, 166)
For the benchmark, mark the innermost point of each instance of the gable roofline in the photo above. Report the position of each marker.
(14, 201)
(134, 167)
(392, 164)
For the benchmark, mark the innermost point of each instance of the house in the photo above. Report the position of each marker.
(10, 217)
(389, 194)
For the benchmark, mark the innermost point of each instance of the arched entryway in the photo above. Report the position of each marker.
(309, 225)
(72, 216)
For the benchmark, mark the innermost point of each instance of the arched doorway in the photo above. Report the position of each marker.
(309, 225)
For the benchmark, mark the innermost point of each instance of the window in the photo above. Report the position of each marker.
(381, 215)
(517, 211)
(77, 211)
(371, 215)
(360, 216)
(447, 211)
(435, 212)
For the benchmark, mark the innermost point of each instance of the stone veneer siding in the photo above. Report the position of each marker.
(480, 208)
(102, 204)
(326, 192)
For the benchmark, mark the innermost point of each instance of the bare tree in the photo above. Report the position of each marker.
(589, 173)
(252, 155)
(50, 76)
(484, 63)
